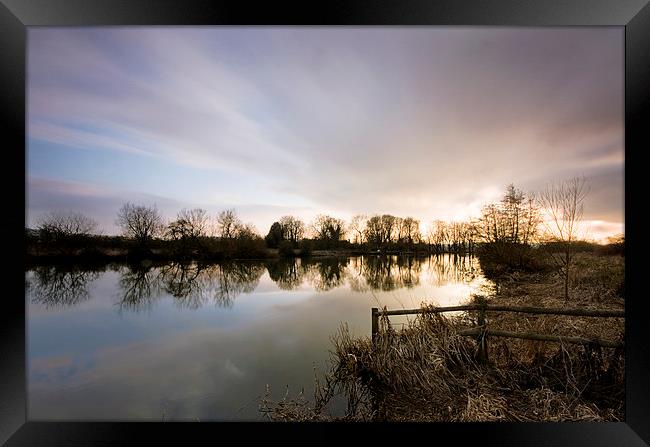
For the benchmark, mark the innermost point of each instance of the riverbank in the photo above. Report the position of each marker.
(428, 372)
(94, 254)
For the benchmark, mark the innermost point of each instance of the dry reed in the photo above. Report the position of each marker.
(429, 372)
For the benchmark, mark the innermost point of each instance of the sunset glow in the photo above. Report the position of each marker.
(429, 122)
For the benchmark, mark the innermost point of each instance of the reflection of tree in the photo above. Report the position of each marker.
(452, 268)
(328, 273)
(388, 273)
(139, 286)
(288, 273)
(193, 285)
(190, 284)
(385, 273)
(185, 283)
(233, 279)
(356, 279)
(61, 286)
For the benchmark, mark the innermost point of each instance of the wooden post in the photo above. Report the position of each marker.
(375, 323)
(481, 339)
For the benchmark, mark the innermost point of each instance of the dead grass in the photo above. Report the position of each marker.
(428, 372)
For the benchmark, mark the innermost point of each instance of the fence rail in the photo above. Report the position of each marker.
(481, 332)
(501, 308)
(542, 337)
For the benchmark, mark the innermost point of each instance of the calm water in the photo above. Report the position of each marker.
(202, 342)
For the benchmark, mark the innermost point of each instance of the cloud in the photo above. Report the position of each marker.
(415, 121)
(103, 202)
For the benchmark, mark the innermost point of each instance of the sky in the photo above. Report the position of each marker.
(429, 122)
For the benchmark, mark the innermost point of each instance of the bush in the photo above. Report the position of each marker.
(285, 248)
(306, 248)
(499, 258)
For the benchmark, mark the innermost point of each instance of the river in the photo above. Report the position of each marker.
(202, 342)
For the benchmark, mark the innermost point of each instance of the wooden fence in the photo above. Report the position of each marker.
(481, 332)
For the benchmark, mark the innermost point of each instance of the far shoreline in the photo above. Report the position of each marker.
(96, 255)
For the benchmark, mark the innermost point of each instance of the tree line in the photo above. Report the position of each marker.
(503, 234)
(515, 219)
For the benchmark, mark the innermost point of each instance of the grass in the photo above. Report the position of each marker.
(428, 372)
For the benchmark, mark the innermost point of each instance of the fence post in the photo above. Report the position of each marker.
(482, 338)
(375, 323)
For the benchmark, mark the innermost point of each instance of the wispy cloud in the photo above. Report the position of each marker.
(423, 121)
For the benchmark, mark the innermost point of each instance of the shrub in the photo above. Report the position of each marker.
(285, 248)
(306, 248)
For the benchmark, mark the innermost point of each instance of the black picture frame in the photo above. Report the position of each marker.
(16, 15)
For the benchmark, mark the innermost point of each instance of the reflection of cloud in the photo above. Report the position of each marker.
(59, 361)
(55, 370)
(206, 364)
(231, 369)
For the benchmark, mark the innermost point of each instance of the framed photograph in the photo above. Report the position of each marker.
(275, 221)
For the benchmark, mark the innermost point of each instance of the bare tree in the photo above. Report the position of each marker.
(563, 203)
(227, 224)
(373, 231)
(189, 224)
(140, 222)
(438, 235)
(328, 228)
(532, 219)
(59, 225)
(388, 228)
(246, 232)
(410, 230)
(293, 229)
(515, 219)
(357, 227)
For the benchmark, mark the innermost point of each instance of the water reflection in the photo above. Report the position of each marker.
(55, 286)
(193, 285)
(232, 279)
(327, 274)
(288, 274)
(106, 360)
(385, 273)
(453, 269)
(139, 286)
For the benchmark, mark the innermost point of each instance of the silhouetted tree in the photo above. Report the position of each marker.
(275, 235)
(329, 229)
(438, 235)
(227, 224)
(409, 231)
(515, 219)
(246, 232)
(189, 226)
(58, 225)
(357, 227)
(388, 228)
(563, 203)
(373, 231)
(140, 222)
(293, 229)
